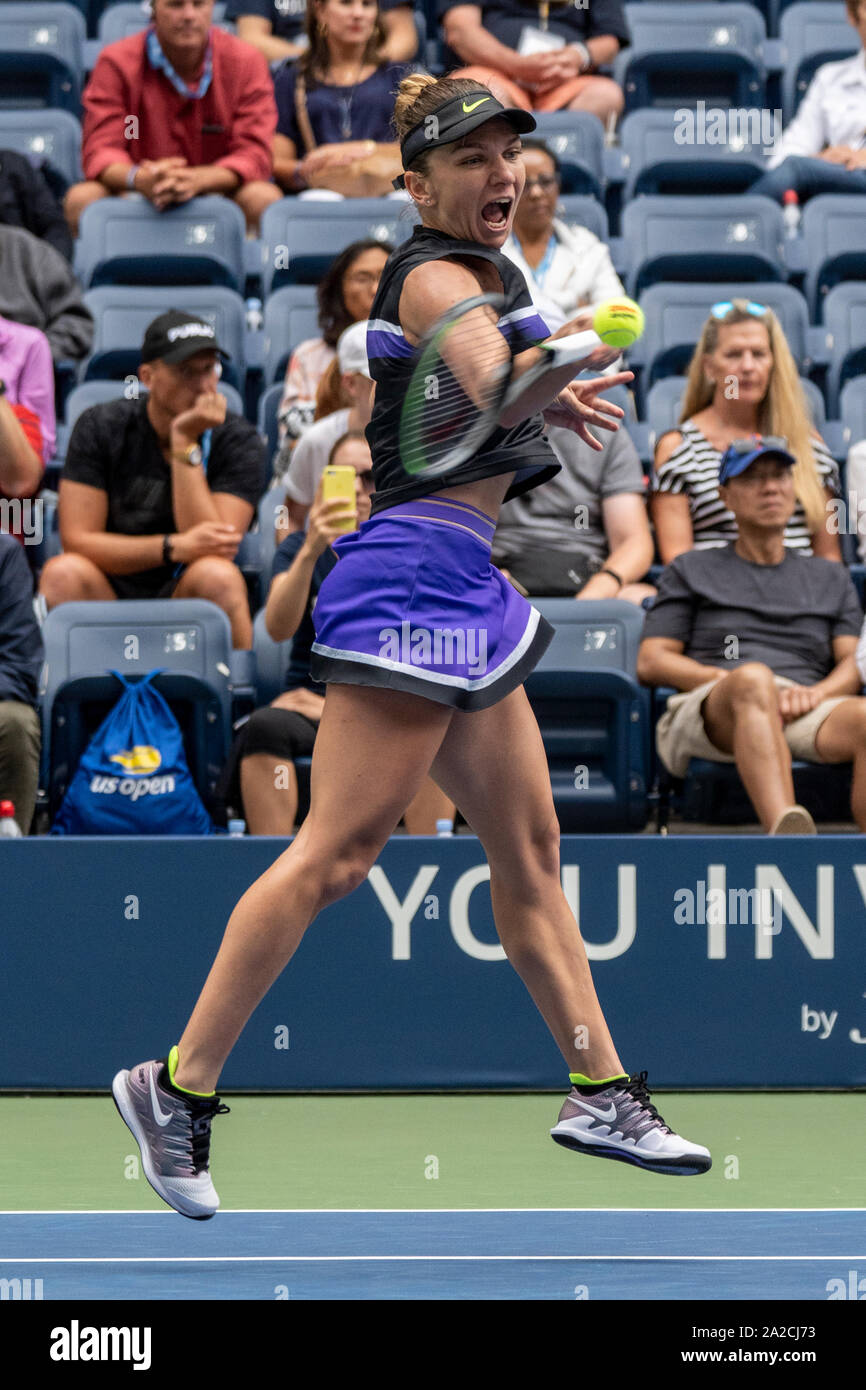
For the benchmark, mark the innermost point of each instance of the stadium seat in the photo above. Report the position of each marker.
(593, 715)
(845, 322)
(577, 140)
(269, 404)
(834, 234)
(812, 33)
(676, 313)
(301, 237)
(270, 502)
(582, 210)
(291, 316)
(188, 640)
(682, 54)
(664, 154)
(125, 241)
(852, 410)
(41, 56)
(702, 239)
(122, 314)
(44, 136)
(271, 662)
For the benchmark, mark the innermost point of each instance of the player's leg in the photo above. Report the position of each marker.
(492, 764)
(372, 752)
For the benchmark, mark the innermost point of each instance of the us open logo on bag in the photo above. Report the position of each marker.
(141, 760)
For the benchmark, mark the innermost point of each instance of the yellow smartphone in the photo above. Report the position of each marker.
(338, 483)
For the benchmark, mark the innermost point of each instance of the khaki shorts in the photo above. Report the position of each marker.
(681, 734)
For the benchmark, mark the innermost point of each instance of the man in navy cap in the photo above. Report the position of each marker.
(157, 491)
(760, 640)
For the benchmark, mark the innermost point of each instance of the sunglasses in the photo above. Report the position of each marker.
(726, 306)
(760, 441)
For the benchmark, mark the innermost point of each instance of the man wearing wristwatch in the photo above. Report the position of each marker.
(542, 55)
(157, 491)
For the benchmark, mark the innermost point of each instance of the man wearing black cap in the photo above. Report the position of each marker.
(760, 639)
(157, 491)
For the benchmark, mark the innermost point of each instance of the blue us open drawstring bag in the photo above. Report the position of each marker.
(133, 778)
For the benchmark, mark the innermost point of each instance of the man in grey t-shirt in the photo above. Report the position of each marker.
(585, 533)
(760, 640)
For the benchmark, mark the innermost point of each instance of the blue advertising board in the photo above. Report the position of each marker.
(719, 962)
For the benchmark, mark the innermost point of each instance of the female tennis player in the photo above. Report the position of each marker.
(424, 647)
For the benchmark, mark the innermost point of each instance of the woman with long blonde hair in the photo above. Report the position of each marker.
(742, 380)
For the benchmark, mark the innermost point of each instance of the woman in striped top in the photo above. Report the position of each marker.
(742, 380)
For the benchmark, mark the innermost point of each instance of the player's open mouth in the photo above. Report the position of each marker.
(495, 213)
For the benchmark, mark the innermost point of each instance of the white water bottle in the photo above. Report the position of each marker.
(791, 213)
(237, 828)
(444, 829)
(9, 827)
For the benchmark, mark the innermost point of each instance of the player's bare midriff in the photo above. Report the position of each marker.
(485, 493)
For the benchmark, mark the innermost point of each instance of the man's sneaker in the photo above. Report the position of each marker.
(618, 1121)
(173, 1133)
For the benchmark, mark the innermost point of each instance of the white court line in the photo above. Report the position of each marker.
(396, 1259)
(380, 1211)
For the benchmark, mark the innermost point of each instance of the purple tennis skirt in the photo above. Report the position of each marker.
(414, 604)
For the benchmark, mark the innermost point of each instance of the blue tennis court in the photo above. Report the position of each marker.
(443, 1254)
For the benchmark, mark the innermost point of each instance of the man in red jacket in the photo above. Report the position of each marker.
(179, 110)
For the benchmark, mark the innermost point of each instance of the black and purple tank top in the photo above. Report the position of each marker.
(522, 450)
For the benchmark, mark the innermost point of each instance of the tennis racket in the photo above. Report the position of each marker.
(462, 382)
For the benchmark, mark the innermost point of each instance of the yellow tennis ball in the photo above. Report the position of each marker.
(619, 322)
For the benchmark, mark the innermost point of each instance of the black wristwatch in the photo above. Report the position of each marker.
(166, 550)
(2, 387)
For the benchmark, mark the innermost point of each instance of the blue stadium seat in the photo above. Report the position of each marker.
(834, 233)
(268, 514)
(122, 314)
(41, 56)
(269, 404)
(845, 321)
(852, 409)
(812, 33)
(125, 241)
(271, 661)
(593, 715)
(301, 237)
(682, 54)
(44, 136)
(702, 239)
(577, 140)
(664, 155)
(676, 313)
(291, 316)
(189, 640)
(581, 210)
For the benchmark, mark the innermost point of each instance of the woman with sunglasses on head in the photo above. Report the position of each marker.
(742, 381)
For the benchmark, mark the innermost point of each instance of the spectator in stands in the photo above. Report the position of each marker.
(761, 642)
(335, 105)
(277, 28)
(303, 466)
(179, 110)
(566, 268)
(538, 61)
(585, 534)
(27, 200)
(286, 729)
(27, 422)
(345, 295)
(855, 502)
(156, 493)
(742, 380)
(37, 287)
(21, 657)
(823, 150)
